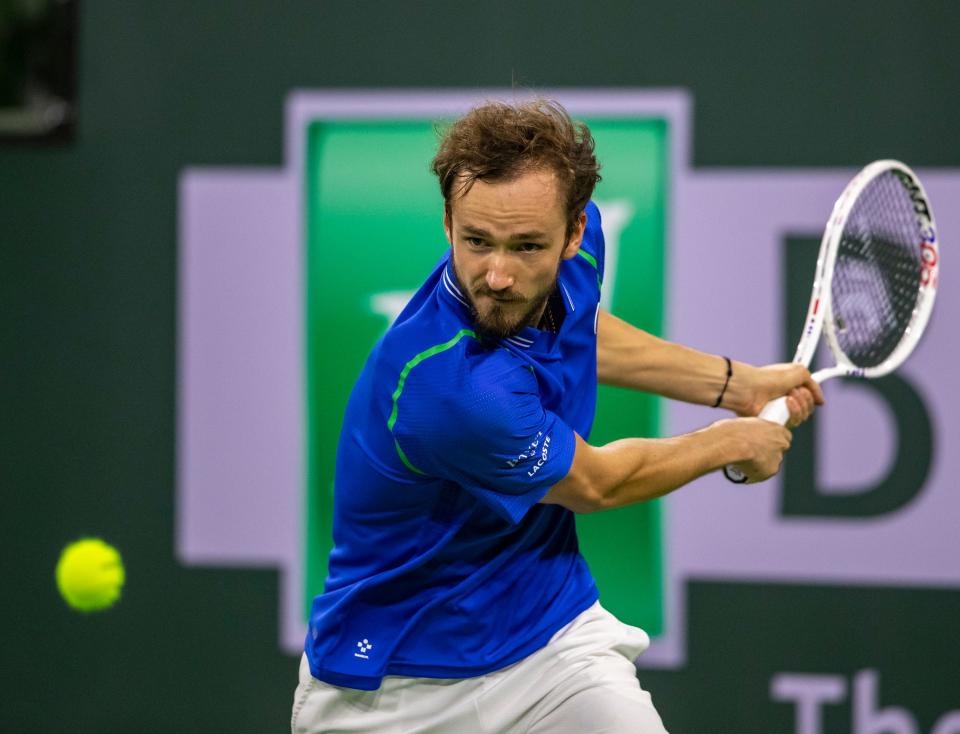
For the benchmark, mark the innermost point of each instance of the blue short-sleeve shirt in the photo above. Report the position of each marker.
(444, 562)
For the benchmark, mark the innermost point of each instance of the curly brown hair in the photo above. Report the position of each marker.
(498, 141)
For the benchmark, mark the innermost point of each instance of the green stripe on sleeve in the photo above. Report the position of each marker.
(593, 261)
(437, 349)
(588, 257)
(405, 460)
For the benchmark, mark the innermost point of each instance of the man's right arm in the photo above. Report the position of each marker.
(633, 470)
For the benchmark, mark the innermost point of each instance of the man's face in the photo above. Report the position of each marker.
(508, 238)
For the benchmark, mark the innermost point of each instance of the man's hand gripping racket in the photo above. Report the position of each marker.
(875, 282)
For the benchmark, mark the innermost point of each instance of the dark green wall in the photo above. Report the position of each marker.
(88, 298)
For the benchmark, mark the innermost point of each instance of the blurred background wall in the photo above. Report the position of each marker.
(89, 301)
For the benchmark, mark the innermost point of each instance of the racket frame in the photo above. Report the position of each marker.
(820, 313)
(929, 263)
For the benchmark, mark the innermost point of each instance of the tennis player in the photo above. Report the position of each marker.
(457, 601)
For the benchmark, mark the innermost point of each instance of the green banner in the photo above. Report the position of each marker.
(373, 229)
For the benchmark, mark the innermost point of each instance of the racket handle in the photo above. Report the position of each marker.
(776, 411)
(734, 475)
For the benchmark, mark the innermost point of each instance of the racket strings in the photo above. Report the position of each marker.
(876, 278)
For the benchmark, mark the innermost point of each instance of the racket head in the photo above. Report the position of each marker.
(881, 269)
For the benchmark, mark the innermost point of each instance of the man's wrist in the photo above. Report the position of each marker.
(726, 382)
(726, 444)
(739, 395)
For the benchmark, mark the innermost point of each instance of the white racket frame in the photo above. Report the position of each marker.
(820, 313)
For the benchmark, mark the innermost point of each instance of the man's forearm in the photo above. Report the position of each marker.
(632, 358)
(664, 464)
(637, 469)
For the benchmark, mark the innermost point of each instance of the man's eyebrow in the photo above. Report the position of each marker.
(480, 232)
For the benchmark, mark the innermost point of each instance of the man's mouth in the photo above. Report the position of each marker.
(501, 299)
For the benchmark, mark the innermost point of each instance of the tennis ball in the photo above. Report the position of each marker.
(90, 574)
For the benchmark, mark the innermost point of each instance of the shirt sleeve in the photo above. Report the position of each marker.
(484, 428)
(593, 245)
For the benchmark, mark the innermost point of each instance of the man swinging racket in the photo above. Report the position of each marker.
(457, 600)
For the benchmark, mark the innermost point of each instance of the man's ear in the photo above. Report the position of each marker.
(448, 225)
(576, 237)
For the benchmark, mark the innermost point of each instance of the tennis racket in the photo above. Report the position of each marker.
(875, 283)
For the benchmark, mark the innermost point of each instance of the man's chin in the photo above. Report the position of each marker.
(494, 326)
(495, 330)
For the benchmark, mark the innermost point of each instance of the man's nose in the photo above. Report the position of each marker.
(498, 277)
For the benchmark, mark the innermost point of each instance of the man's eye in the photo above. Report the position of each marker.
(475, 242)
(530, 247)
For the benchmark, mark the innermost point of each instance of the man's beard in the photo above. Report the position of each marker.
(499, 323)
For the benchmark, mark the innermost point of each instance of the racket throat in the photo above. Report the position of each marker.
(838, 371)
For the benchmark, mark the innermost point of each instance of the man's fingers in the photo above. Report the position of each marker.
(805, 380)
(814, 387)
(801, 402)
(793, 407)
(796, 408)
(769, 443)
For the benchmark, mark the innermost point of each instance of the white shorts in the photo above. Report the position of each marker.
(582, 682)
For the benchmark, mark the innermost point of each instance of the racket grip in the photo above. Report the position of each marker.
(776, 411)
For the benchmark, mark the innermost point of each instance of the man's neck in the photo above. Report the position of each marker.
(553, 312)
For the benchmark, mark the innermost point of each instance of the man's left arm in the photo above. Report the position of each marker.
(630, 357)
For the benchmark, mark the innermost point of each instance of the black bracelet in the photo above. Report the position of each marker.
(725, 384)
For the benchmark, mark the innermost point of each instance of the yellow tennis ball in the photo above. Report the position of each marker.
(90, 574)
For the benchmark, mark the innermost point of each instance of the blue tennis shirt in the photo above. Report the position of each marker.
(444, 565)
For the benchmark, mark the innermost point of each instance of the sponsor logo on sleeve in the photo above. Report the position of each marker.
(538, 449)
